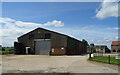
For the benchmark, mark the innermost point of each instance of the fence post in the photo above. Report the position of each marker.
(109, 59)
(90, 55)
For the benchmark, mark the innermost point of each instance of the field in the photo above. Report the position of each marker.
(105, 59)
(7, 50)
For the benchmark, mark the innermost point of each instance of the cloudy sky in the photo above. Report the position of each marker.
(97, 22)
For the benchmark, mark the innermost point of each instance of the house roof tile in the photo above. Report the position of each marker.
(115, 42)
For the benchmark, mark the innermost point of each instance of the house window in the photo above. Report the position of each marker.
(31, 36)
(47, 36)
(118, 51)
(114, 50)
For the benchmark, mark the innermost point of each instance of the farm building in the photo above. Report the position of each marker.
(98, 48)
(115, 46)
(43, 41)
(102, 48)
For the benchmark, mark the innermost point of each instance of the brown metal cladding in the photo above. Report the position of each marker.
(57, 40)
(71, 45)
(58, 51)
(74, 47)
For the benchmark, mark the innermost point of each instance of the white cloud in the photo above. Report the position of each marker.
(107, 9)
(87, 27)
(10, 21)
(10, 29)
(55, 23)
(114, 28)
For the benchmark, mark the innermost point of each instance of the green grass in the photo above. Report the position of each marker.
(8, 48)
(105, 59)
(5, 52)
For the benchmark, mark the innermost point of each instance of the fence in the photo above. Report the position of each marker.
(106, 58)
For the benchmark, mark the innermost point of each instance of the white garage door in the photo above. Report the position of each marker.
(42, 46)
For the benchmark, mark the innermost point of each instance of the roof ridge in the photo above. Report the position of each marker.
(50, 31)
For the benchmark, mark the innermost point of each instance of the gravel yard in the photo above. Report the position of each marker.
(50, 64)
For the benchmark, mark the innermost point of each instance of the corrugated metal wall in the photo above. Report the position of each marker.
(42, 47)
(19, 48)
(57, 40)
(74, 47)
(60, 44)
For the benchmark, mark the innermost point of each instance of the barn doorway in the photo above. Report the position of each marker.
(42, 46)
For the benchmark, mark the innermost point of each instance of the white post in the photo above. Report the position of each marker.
(27, 50)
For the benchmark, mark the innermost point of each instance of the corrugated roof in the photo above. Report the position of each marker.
(115, 42)
(101, 45)
(49, 31)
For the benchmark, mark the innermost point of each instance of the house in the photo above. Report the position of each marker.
(115, 46)
(43, 41)
(102, 48)
(98, 48)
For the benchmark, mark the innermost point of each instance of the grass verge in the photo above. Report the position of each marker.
(105, 59)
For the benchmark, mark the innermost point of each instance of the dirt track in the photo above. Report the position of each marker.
(50, 64)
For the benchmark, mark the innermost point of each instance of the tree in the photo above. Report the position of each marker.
(92, 48)
(85, 44)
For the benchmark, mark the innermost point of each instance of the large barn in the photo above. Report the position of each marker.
(43, 41)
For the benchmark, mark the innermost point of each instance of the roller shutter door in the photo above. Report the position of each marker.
(42, 47)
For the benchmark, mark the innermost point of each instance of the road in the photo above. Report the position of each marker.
(50, 64)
